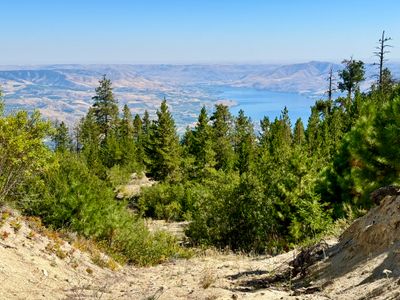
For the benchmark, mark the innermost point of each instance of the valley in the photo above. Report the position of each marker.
(63, 92)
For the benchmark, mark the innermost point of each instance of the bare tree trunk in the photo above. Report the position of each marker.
(330, 85)
(381, 56)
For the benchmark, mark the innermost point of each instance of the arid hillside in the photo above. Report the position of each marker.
(36, 263)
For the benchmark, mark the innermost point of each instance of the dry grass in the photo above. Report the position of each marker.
(96, 254)
(15, 225)
(207, 278)
(55, 248)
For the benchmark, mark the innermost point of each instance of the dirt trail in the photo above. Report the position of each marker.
(364, 264)
(34, 265)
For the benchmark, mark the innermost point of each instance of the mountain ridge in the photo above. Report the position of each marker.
(64, 91)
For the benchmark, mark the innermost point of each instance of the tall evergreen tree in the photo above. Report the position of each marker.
(137, 127)
(244, 143)
(222, 122)
(61, 138)
(88, 142)
(202, 142)
(165, 150)
(281, 135)
(126, 123)
(112, 150)
(313, 133)
(299, 137)
(336, 129)
(126, 136)
(146, 133)
(265, 125)
(146, 123)
(138, 138)
(105, 106)
(263, 151)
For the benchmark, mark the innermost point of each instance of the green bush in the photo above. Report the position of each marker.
(240, 212)
(22, 151)
(169, 201)
(119, 175)
(232, 211)
(69, 196)
(368, 159)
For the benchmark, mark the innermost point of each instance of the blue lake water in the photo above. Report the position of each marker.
(259, 103)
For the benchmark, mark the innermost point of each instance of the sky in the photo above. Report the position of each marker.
(189, 31)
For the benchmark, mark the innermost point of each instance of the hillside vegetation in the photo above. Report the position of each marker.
(261, 192)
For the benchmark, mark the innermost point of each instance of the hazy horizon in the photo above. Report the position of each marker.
(238, 63)
(187, 32)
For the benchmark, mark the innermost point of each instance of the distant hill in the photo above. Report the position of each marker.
(64, 91)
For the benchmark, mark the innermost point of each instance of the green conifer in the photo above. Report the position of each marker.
(105, 107)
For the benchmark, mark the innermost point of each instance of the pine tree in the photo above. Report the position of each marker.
(222, 137)
(313, 133)
(112, 150)
(105, 107)
(373, 144)
(187, 141)
(61, 138)
(138, 137)
(299, 137)
(351, 76)
(387, 83)
(146, 133)
(88, 142)
(137, 127)
(275, 154)
(202, 148)
(281, 135)
(264, 138)
(146, 122)
(336, 129)
(126, 137)
(164, 151)
(244, 143)
(126, 124)
(263, 160)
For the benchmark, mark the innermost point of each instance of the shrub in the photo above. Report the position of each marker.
(22, 151)
(368, 159)
(244, 214)
(169, 201)
(232, 211)
(118, 175)
(73, 198)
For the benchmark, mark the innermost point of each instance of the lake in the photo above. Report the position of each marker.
(259, 103)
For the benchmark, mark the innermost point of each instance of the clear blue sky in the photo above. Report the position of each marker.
(189, 31)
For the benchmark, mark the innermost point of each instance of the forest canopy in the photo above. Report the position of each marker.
(247, 190)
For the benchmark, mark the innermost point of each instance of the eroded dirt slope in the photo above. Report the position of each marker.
(363, 264)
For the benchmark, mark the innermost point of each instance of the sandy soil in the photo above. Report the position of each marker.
(363, 264)
(133, 187)
(31, 268)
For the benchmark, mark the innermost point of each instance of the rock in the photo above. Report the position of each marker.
(382, 192)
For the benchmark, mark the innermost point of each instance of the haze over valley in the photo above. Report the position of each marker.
(64, 92)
